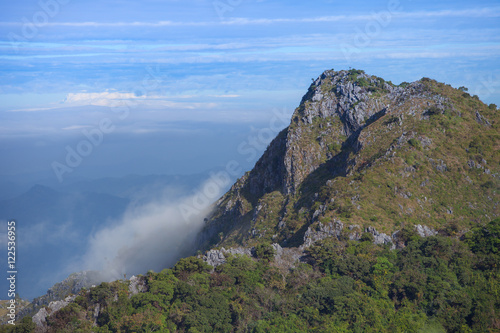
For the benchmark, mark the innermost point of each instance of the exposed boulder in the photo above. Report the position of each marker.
(425, 231)
(380, 238)
(481, 120)
(321, 231)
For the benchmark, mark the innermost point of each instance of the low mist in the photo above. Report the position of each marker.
(150, 236)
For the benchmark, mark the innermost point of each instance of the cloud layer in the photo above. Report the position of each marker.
(98, 59)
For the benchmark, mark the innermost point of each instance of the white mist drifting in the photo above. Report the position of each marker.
(152, 236)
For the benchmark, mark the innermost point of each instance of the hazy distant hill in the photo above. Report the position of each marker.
(54, 225)
(137, 187)
(41, 204)
(52, 228)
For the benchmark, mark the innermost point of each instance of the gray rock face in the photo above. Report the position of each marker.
(425, 231)
(425, 141)
(58, 305)
(335, 230)
(268, 173)
(481, 120)
(380, 238)
(422, 231)
(312, 235)
(346, 101)
(278, 250)
(216, 257)
(97, 311)
(438, 164)
(71, 285)
(40, 318)
(136, 285)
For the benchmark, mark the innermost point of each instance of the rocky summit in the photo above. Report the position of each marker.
(372, 156)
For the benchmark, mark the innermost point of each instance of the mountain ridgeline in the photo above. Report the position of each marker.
(370, 154)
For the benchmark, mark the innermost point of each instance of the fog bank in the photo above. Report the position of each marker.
(151, 236)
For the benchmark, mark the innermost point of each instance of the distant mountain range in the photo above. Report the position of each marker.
(55, 225)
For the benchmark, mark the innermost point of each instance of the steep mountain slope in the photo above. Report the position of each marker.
(371, 154)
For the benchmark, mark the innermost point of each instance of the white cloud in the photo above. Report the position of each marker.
(145, 130)
(76, 127)
(225, 96)
(100, 99)
(477, 12)
(29, 110)
(124, 99)
(472, 12)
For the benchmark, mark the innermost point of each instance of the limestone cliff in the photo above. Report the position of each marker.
(369, 153)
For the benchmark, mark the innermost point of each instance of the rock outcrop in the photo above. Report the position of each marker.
(425, 231)
(218, 257)
(136, 285)
(380, 238)
(312, 235)
(60, 291)
(40, 318)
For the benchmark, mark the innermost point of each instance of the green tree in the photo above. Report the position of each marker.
(265, 252)
(187, 266)
(485, 239)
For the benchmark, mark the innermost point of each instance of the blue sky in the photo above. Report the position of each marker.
(64, 63)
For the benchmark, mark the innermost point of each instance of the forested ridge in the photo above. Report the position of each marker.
(435, 284)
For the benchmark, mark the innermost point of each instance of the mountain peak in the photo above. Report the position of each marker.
(372, 154)
(40, 191)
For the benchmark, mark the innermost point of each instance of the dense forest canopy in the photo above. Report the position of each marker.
(433, 284)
